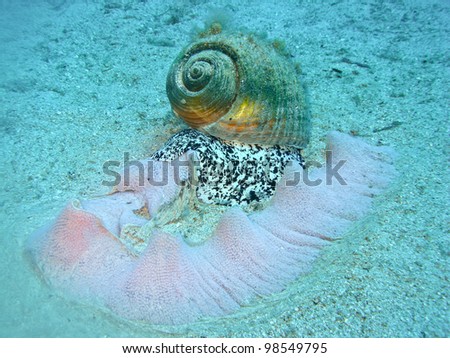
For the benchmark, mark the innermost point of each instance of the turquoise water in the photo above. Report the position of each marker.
(84, 81)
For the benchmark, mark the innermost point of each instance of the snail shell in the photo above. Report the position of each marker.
(236, 87)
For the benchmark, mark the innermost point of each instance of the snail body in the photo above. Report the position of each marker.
(236, 87)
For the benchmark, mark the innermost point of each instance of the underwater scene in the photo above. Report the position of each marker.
(224, 168)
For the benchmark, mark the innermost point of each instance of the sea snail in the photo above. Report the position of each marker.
(246, 109)
(140, 254)
(237, 87)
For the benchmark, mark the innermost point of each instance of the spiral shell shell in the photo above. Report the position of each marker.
(236, 87)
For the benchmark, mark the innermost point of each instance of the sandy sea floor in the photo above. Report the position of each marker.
(83, 82)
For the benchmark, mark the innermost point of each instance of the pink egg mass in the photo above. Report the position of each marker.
(116, 253)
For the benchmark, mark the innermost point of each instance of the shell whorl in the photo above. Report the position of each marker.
(202, 85)
(235, 87)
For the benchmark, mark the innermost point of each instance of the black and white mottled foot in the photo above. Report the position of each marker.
(230, 173)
